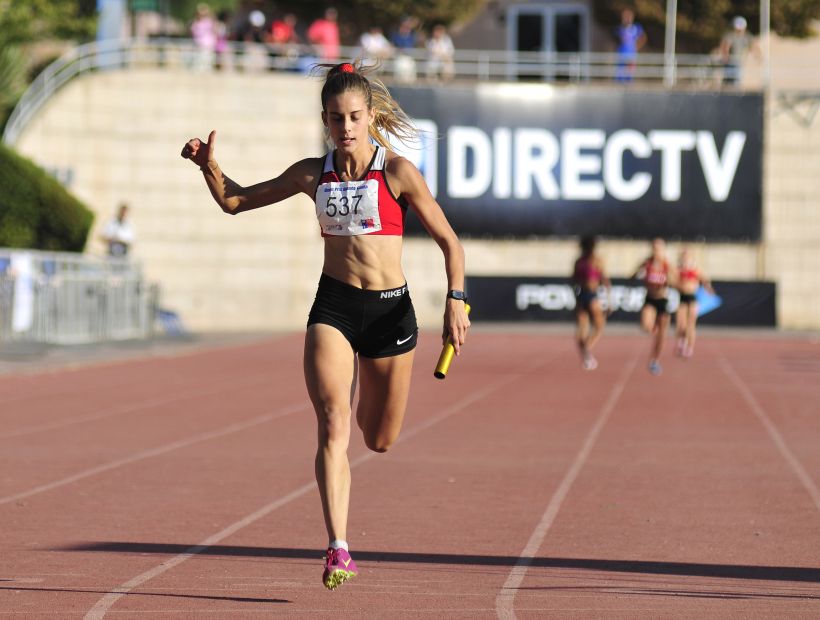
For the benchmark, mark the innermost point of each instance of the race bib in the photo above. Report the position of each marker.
(348, 208)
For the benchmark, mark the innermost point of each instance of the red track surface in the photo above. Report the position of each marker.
(521, 487)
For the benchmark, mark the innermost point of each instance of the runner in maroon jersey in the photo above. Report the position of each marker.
(588, 275)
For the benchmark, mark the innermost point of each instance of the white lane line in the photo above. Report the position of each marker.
(146, 454)
(506, 596)
(130, 407)
(105, 603)
(771, 429)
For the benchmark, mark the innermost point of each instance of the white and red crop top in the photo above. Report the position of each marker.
(656, 275)
(363, 207)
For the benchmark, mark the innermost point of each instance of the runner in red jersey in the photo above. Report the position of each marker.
(362, 327)
(657, 274)
(588, 275)
(690, 278)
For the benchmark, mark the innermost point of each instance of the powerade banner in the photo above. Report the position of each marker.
(512, 299)
(522, 159)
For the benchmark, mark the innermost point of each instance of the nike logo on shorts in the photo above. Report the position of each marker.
(405, 340)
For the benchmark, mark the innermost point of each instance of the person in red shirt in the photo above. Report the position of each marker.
(657, 274)
(690, 278)
(588, 275)
(283, 31)
(362, 326)
(324, 34)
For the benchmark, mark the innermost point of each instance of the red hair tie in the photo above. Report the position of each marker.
(346, 68)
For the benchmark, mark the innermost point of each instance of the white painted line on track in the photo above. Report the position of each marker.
(105, 603)
(146, 454)
(771, 429)
(504, 601)
(133, 406)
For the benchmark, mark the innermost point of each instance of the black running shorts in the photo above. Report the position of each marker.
(659, 303)
(687, 298)
(375, 323)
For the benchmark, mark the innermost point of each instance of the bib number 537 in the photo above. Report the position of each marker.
(343, 207)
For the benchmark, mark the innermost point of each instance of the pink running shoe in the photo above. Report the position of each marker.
(339, 567)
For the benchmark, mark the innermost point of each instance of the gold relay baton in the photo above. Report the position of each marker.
(447, 353)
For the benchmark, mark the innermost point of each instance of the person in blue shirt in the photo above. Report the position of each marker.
(631, 39)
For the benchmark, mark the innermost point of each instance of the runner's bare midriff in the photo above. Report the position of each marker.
(371, 262)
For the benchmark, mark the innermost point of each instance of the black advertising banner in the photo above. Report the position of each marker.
(520, 298)
(522, 159)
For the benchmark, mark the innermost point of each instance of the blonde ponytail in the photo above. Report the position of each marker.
(390, 119)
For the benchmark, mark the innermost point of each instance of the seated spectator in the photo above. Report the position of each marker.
(375, 45)
(283, 31)
(440, 52)
(224, 59)
(283, 38)
(204, 34)
(324, 34)
(404, 40)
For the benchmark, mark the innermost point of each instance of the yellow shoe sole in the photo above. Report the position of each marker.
(337, 578)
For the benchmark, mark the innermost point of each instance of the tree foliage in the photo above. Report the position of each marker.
(12, 79)
(36, 212)
(701, 23)
(31, 20)
(184, 10)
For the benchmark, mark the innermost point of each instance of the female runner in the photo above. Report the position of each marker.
(656, 273)
(362, 323)
(690, 278)
(587, 276)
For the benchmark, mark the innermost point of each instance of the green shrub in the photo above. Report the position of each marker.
(36, 212)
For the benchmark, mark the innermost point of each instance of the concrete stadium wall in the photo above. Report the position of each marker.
(115, 136)
(791, 190)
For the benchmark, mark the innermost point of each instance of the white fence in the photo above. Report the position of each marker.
(688, 69)
(62, 298)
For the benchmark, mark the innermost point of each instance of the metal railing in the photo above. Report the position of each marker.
(414, 65)
(62, 298)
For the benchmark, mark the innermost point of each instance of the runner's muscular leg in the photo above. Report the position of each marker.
(598, 322)
(581, 328)
(330, 376)
(384, 385)
(691, 325)
(660, 335)
(648, 318)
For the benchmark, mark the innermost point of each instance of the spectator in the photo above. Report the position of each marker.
(404, 40)
(631, 39)
(375, 45)
(283, 38)
(251, 27)
(254, 34)
(118, 234)
(204, 34)
(440, 51)
(324, 34)
(733, 48)
(224, 59)
(283, 31)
